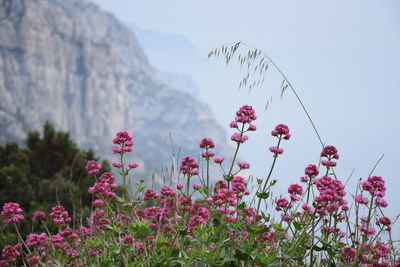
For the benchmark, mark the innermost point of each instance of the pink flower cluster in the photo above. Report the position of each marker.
(60, 215)
(330, 153)
(11, 213)
(93, 167)
(239, 186)
(281, 131)
(245, 115)
(124, 140)
(375, 185)
(150, 194)
(224, 196)
(243, 165)
(218, 160)
(105, 188)
(189, 166)
(10, 254)
(98, 219)
(36, 240)
(283, 204)
(295, 191)
(331, 195)
(207, 143)
(310, 171)
(39, 215)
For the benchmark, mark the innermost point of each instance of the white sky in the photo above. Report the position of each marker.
(342, 56)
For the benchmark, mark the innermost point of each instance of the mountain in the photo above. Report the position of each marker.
(173, 54)
(71, 63)
(180, 81)
(167, 51)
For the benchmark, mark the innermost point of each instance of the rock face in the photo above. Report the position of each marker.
(69, 62)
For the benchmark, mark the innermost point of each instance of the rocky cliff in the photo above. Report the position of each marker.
(69, 62)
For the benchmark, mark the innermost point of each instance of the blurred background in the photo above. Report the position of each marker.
(95, 67)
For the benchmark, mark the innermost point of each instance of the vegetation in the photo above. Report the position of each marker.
(201, 223)
(49, 170)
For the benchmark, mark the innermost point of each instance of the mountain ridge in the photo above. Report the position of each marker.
(77, 66)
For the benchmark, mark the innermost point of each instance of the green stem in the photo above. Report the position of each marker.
(269, 176)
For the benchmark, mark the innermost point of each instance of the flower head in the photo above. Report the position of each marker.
(281, 130)
(93, 167)
(375, 185)
(245, 114)
(12, 213)
(206, 143)
(189, 166)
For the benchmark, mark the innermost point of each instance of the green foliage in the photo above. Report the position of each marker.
(50, 170)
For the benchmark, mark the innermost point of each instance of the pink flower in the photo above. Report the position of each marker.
(220, 184)
(243, 165)
(381, 202)
(133, 165)
(11, 213)
(360, 199)
(233, 124)
(35, 240)
(311, 170)
(239, 186)
(206, 143)
(328, 163)
(33, 260)
(196, 186)
(282, 203)
(375, 185)
(281, 130)
(330, 151)
(179, 186)
(98, 203)
(150, 194)
(276, 150)
(218, 160)
(367, 230)
(10, 253)
(245, 114)
(103, 190)
(167, 191)
(60, 215)
(39, 215)
(107, 177)
(252, 127)
(295, 189)
(93, 167)
(207, 154)
(385, 221)
(95, 251)
(286, 217)
(116, 164)
(125, 141)
(348, 254)
(128, 239)
(238, 138)
(189, 166)
(117, 150)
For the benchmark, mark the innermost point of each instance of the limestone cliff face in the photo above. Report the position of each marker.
(69, 62)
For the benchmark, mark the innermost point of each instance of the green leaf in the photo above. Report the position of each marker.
(297, 225)
(241, 206)
(262, 195)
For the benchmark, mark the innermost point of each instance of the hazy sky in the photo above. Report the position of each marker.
(342, 56)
